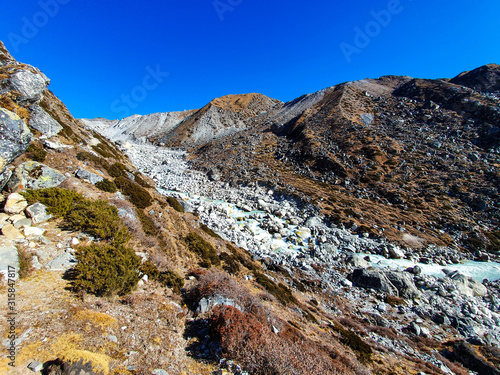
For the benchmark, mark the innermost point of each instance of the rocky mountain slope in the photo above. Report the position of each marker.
(115, 278)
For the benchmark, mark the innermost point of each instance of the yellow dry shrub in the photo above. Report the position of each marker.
(66, 347)
(104, 321)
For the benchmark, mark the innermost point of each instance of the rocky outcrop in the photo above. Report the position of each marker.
(485, 78)
(33, 175)
(41, 121)
(391, 282)
(29, 84)
(15, 137)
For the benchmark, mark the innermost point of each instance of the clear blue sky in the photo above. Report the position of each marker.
(98, 53)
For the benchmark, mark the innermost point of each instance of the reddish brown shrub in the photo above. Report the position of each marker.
(260, 351)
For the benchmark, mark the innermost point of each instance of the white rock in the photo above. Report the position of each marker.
(15, 204)
(33, 231)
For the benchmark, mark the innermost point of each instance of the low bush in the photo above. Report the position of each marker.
(209, 231)
(205, 250)
(362, 349)
(137, 194)
(230, 263)
(281, 291)
(174, 203)
(117, 170)
(148, 225)
(107, 186)
(138, 178)
(97, 218)
(36, 153)
(106, 269)
(166, 278)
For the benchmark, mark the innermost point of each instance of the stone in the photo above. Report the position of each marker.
(355, 260)
(113, 338)
(35, 366)
(34, 175)
(5, 177)
(75, 241)
(38, 213)
(15, 204)
(159, 372)
(41, 121)
(62, 262)
(30, 85)
(468, 286)
(93, 178)
(373, 279)
(206, 304)
(8, 257)
(22, 223)
(33, 231)
(58, 146)
(11, 233)
(403, 283)
(469, 357)
(15, 137)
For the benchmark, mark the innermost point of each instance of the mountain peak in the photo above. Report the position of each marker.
(485, 78)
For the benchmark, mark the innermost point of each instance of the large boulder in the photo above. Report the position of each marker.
(391, 282)
(373, 278)
(33, 175)
(15, 204)
(41, 121)
(88, 176)
(30, 85)
(15, 137)
(467, 285)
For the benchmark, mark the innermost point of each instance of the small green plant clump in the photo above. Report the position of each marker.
(166, 278)
(117, 170)
(36, 153)
(148, 225)
(107, 186)
(231, 264)
(205, 250)
(106, 269)
(209, 231)
(362, 349)
(174, 203)
(138, 178)
(281, 291)
(241, 258)
(137, 194)
(25, 263)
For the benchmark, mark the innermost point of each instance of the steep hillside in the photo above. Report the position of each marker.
(391, 157)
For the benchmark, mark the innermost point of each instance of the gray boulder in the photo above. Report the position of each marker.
(41, 121)
(30, 85)
(15, 137)
(33, 175)
(206, 304)
(373, 278)
(4, 178)
(468, 286)
(38, 213)
(403, 283)
(88, 176)
(62, 262)
(8, 257)
(391, 282)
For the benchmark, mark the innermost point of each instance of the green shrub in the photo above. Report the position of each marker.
(58, 201)
(209, 231)
(138, 178)
(230, 263)
(281, 291)
(25, 263)
(87, 156)
(98, 218)
(174, 203)
(241, 258)
(101, 150)
(117, 170)
(362, 349)
(107, 186)
(106, 269)
(137, 194)
(166, 278)
(36, 153)
(205, 250)
(148, 225)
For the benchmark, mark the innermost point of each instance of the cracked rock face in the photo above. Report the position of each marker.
(33, 175)
(41, 121)
(15, 137)
(30, 85)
